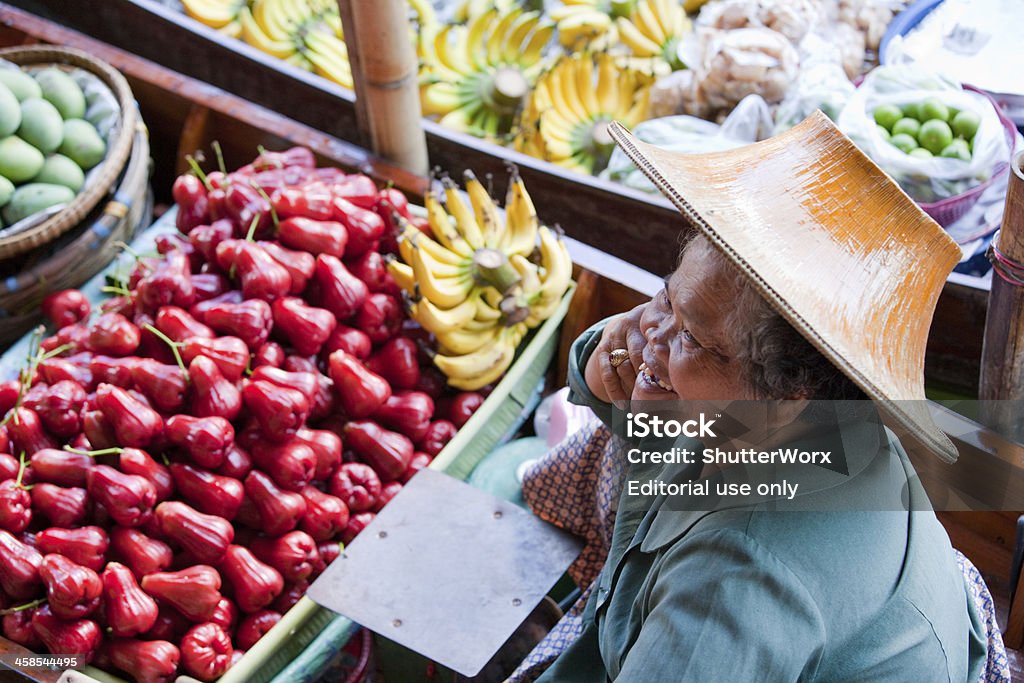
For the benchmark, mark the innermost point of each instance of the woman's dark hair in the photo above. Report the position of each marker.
(777, 361)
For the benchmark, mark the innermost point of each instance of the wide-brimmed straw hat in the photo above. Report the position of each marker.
(832, 243)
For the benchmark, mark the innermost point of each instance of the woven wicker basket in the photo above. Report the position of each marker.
(75, 257)
(119, 144)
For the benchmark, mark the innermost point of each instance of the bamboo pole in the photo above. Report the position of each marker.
(385, 75)
(1002, 356)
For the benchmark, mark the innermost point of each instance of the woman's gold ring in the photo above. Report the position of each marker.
(618, 357)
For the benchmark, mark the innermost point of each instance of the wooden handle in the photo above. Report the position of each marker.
(385, 75)
(1002, 357)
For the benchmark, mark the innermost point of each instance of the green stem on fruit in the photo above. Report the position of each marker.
(492, 267)
(27, 373)
(263, 193)
(220, 156)
(23, 607)
(174, 349)
(248, 237)
(112, 289)
(21, 470)
(198, 171)
(113, 450)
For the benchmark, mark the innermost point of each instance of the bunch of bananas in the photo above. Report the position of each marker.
(656, 29)
(478, 74)
(566, 117)
(222, 15)
(589, 23)
(305, 33)
(480, 282)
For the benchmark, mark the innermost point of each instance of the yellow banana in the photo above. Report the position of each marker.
(495, 48)
(272, 20)
(299, 60)
(213, 13)
(538, 41)
(607, 80)
(461, 341)
(640, 44)
(435, 250)
(485, 312)
(517, 34)
(255, 36)
(232, 30)
(459, 119)
(441, 226)
(445, 292)
(521, 219)
(403, 276)
(557, 266)
(330, 69)
(438, 321)
(485, 211)
(528, 272)
(441, 98)
(476, 37)
(295, 13)
(408, 245)
(473, 371)
(464, 219)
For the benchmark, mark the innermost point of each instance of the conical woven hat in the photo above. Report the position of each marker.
(832, 243)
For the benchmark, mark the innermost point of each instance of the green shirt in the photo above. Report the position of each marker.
(746, 594)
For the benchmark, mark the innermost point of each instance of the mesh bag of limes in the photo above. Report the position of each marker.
(936, 139)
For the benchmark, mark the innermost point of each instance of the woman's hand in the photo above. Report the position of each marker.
(610, 383)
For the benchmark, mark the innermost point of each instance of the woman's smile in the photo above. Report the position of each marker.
(651, 380)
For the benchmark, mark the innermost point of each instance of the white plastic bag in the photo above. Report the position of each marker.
(749, 122)
(926, 180)
(822, 84)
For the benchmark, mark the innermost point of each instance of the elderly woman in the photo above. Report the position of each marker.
(792, 291)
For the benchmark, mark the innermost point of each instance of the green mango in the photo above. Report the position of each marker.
(59, 170)
(82, 144)
(20, 83)
(33, 198)
(62, 91)
(41, 125)
(6, 190)
(19, 161)
(10, 112)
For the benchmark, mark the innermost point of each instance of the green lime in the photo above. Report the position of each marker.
(912, 110)
(905, 142)
(957, 150)
(908, 126)
(887, 115)
(883, 132)
(933, 108)
(965, 124)
(921, 153)
(935, 136)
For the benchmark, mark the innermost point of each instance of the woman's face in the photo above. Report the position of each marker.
(688, 355)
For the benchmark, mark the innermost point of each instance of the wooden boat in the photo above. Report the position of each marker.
(598, 214)
(184, 114)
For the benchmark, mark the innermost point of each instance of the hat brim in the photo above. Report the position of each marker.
(832, 243)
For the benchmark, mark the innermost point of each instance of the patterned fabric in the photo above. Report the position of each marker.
(576, 487)
(997, 667)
